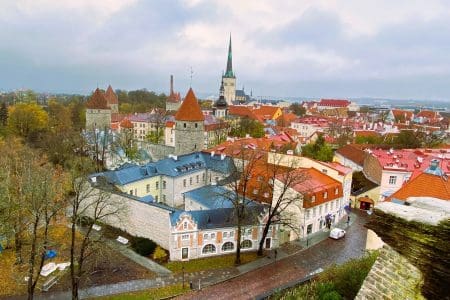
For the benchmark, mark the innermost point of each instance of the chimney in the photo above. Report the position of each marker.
(171, 84)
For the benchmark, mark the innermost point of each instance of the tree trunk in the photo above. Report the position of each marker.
(237, 260)
(263, 238)
(74, 280)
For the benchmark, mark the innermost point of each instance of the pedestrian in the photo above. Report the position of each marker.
(191, 286)
(348, 219)
(275, 254)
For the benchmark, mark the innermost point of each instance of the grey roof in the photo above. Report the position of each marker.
(211, 196)
(220, 218)
(182, 165)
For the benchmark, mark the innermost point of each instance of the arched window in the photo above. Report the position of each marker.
(210, 248)
(228, 246)
(246, 244)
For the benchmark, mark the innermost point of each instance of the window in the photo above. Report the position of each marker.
(148, 188)
(203, 176)
(157, 185)
(185, 225)
(210, 248)
(156, 198)
(164, 184)
(314, 212)
(184, 182)
(184, 125)
(228, 246)
(185, 237)
(255, 191)
(190, 180)
(260, 178)
(225, 235)
(308, 215)
(216, 179)
(196, 125)
(336, 191)
(246, 244)
(131, 192)
(392, 180)
(213, 236)
(325, 195)
(326, 207)
(313, 198)
(231, 233)
(164, 198)
(266, 195)
(331, 205)
(197, 178)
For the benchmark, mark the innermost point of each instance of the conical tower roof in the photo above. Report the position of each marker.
(97, 100)
(229, 72)
(110, 96)
(190, 109)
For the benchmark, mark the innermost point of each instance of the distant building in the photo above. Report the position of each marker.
(220, 108)
(112, 100)
(98, 113)
(173, 101)
(229, 79)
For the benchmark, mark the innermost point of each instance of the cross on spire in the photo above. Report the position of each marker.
(192, 73)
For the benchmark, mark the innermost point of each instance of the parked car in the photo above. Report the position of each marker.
(337, 233)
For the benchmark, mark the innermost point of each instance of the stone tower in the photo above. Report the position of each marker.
(98, 114)
(220, 108)
(112, 100)
(189, 126)
(228, 79)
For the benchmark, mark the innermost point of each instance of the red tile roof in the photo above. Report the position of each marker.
(334, 102)
(424, 185)
(266, 112)
(97, 100)
(110, 96)
(190, 110)
(399, 113)
(126, 123)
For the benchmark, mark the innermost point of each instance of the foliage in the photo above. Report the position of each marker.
(248, 126)
(139, 101)
(373, 140)
(318, 150)
(3, 114)
(155, 136)
(407, 139)
(337, 282)
(160, 254)
(60, 116)
(155, 293)
(297, 109)
(143, 246)
(209, 263)
(26, 118)
(125, 108)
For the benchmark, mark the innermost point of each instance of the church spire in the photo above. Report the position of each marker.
(229, 72)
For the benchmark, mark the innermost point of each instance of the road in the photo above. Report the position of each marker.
(295, 267)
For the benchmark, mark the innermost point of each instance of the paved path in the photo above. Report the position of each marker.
(321, 255)
(252, 279)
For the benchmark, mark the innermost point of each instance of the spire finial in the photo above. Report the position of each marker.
(229, 71)
(192, 73)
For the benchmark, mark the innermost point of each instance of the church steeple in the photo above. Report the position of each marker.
(229, 73)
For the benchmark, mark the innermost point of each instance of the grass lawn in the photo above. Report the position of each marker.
(210, 263)
(156, 293)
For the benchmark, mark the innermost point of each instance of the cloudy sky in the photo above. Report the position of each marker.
(330, 48)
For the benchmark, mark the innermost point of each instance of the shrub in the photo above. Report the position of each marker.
(160, 254)
(143, 246)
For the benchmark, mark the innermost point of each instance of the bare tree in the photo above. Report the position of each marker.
(238, 184)
(87, 201)
(277, 179)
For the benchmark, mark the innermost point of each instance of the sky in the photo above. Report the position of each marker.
(351, 48)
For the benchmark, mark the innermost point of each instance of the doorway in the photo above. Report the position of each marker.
(268, 242)
(184, 253)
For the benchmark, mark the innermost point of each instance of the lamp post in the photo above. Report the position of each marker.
(182, 272)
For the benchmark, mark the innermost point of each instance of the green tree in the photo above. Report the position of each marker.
(125, 108)
(26, 118)
(60, 117)
(319, 150)
(407, 139)
(248, 126)
(297, 109)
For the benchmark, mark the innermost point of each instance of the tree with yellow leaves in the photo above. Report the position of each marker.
(26, 118)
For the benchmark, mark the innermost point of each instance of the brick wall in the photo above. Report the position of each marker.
(392, 277)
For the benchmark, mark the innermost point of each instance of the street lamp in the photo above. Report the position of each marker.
(182, 272)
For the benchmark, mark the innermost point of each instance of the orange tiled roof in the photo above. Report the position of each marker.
(190, 109)
(355, 154)
(241, 111)
(399, 113)
(266, 112)
(110, 96)
(126, 124)
(424, 185)
(429, 114)
(97, 100)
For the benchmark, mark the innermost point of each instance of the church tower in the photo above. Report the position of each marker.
(228, 79)
(189, 126)
(220, 108)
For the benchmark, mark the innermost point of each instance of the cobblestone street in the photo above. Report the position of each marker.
(295, 267)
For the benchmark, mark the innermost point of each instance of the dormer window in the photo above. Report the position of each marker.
(185, 225)
(313, 198)
(325, 195)
(336, 191)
